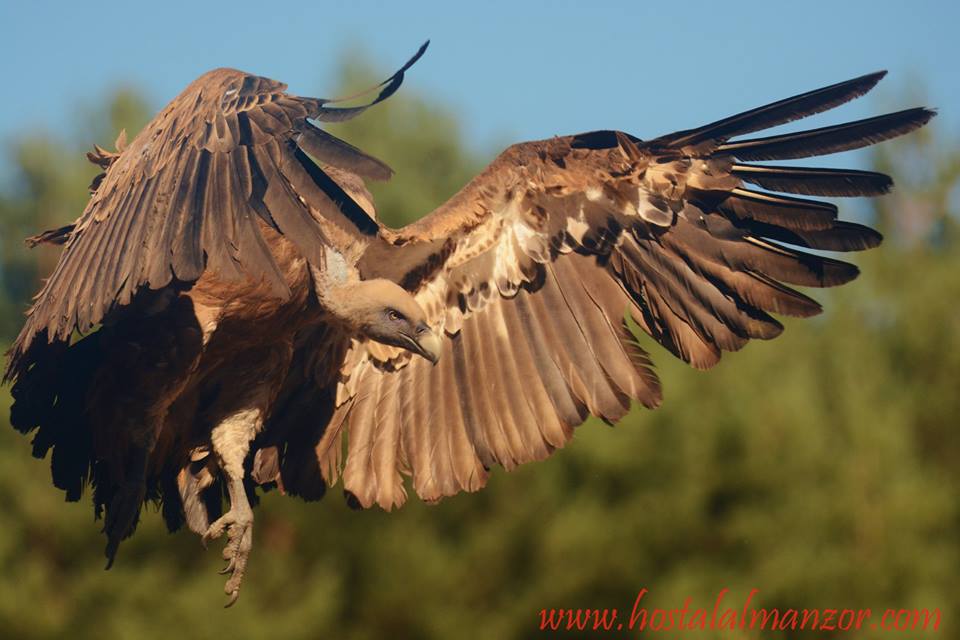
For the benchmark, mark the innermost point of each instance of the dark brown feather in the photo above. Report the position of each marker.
(778, 210)
(172, 200)
(825, 140)
(328, 149)
(815, 182)
(780, 112)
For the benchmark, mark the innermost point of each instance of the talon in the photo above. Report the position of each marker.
(237, 525)
(215, 530)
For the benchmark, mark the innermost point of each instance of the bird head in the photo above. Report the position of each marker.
(387, 313)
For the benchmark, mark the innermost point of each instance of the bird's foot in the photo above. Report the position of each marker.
(238, 524)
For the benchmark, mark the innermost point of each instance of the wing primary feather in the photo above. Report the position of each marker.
(777, 113)
(842, 236)
(727, 245)
(328, 149)
(705, 255)
(681, 339)
(826, 140)
(699, 305)
(775, 209)
(387, 88)
(815, 182)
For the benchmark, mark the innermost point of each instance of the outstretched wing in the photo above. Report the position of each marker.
(227, 156)
(531, 269)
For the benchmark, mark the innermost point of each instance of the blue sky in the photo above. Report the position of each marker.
(514, 70)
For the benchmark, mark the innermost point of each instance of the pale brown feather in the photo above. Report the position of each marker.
(530, 270)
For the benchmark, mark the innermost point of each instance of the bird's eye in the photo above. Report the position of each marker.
(395, 315)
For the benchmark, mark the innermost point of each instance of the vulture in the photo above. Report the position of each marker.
(228, 313)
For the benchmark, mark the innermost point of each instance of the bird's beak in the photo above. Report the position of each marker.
(428, 345)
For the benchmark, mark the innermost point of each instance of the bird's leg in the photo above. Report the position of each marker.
(231, 443)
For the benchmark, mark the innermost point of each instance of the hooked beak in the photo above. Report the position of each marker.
(427, 344)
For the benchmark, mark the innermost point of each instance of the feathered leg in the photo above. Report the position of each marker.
(253, 376)
(231, 443)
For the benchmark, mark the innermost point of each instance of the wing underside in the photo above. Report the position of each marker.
(541, 268)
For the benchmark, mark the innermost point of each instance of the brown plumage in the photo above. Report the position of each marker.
(258, 325)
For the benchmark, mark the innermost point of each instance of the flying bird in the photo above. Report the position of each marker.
(228, 312)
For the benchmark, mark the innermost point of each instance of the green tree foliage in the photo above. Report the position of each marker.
(820, 469)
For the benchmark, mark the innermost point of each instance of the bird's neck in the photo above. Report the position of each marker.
(342, 295)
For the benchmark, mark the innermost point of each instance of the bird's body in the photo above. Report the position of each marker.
(259, 326)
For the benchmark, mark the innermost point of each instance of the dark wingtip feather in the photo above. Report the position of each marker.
(814, 181)
(841, 236)
(832, 139)
(779, 210)
(387, 88)
(777, 113)
(328, 149)
(419, 54)
(873, 78)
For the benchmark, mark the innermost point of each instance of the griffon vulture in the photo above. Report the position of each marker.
(228, 311)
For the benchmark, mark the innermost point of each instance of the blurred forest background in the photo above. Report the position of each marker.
(821, 468)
